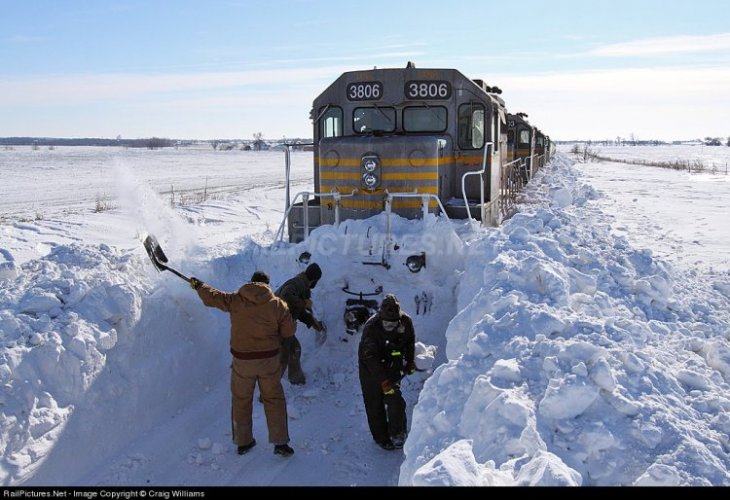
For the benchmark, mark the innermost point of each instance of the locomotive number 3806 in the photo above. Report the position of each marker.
(365, 91)
(428, 89)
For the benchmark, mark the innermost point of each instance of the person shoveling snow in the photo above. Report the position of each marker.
(260, 324)
(297, 293)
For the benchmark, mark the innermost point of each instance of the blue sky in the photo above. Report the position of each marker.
(231, 68)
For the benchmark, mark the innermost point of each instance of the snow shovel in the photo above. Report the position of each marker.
(158, 257)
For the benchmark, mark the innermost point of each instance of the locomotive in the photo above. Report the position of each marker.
(414, 141)
(411, 142)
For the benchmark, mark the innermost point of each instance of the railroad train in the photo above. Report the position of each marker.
(414, 141)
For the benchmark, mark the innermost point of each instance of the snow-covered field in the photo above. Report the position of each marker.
(575, 355)
(49, 197)
(718, 156)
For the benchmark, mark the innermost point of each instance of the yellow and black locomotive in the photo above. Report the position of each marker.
(412, 141)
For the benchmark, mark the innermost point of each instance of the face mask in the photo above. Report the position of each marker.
(390, 325)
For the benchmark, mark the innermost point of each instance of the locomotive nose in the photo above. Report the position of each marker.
(375, 167)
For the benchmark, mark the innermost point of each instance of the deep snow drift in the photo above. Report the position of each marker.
(101, 355)
(576, 359)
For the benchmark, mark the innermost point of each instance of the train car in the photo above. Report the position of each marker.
(410, 141)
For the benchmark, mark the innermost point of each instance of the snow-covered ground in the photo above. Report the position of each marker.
(49, 197)
(574, 355)
(718, 156)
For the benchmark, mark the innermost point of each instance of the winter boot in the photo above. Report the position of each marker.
(242, 450)
(297, 378)
(399, 440)
(284, 450)
(386, 445)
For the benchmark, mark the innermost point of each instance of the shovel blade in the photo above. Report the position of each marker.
(155, 253)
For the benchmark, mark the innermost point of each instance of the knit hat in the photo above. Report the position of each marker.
(260, 277)
(390, 308)
(313, 272)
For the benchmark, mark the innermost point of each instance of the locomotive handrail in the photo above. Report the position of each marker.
(425, 197)
(336, 195)
(287, 169)
(481, 182)
(512, 181)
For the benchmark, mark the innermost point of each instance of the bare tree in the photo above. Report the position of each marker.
(258, 141)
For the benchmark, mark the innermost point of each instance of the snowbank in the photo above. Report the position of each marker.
(101, 357)
(58, 320)
(575, 359)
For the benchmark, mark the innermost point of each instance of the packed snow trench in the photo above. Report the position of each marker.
(565, 356)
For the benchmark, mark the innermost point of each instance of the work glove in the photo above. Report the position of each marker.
(317, 325)
(410, 368)
(388, 388)
(195, 283)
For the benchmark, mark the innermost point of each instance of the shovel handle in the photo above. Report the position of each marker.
(176, 273)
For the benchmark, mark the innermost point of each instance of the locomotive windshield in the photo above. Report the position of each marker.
(365, 120)
(424, 119)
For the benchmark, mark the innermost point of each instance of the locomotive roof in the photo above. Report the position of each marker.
(453, 75)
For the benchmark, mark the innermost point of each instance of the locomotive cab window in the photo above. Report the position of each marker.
(424, 119)
(471, 126)
(331, 123)
(524, 139)
(366, 120)
(511, 137)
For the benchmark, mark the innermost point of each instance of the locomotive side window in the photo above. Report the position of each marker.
(524, 139)
(424, 119)
(471, 126)
(373, 119)
(510, 137)
(331, 123)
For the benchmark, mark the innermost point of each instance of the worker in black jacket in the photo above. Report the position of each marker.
(297, 293)
(386, 355)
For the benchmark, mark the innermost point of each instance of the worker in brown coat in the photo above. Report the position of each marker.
(260, 322)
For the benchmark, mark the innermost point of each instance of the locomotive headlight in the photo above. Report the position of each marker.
(370, 165)
(370, 170)
(370, 181)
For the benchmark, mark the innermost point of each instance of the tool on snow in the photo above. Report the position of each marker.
(158, 257)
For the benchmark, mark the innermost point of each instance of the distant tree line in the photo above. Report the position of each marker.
(633, 141)
(149, 143)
